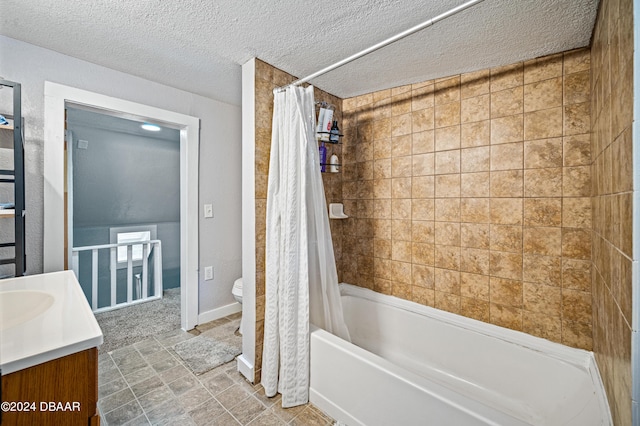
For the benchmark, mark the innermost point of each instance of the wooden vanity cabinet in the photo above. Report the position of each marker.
(70, 379)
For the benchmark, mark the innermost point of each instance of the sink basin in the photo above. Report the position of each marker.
(44, 317)
(20, 306)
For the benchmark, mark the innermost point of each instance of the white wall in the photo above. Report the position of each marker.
(220, 152)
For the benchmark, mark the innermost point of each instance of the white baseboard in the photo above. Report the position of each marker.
(246, 368)
(220, 312)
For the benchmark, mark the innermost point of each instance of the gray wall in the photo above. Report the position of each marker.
(220, 152)
(123, 179)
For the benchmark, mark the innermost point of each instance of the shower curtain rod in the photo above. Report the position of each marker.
(383, 43)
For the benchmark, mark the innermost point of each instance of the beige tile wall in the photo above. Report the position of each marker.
(612, 189)
(267, 79)
(474, 194)
(471, 193)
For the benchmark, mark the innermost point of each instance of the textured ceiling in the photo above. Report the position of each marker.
(199, 46)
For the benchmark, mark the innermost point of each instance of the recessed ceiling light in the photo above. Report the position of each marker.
(151, 127)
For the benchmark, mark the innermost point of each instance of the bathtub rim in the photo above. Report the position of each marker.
(578, 358)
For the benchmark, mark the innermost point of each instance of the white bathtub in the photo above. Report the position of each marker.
(415, 365)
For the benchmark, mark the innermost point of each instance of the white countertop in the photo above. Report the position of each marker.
(67, 326)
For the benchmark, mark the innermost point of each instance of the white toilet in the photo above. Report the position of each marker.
(237, 290)
(237, 294)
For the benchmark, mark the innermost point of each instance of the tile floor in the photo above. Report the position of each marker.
(146, 383)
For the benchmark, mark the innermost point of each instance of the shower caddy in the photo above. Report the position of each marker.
(12, 138)
(323, 104)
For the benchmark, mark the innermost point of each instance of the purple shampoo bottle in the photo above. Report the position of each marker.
(323, 158)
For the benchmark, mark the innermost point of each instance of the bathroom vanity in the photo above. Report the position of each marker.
(48, 352)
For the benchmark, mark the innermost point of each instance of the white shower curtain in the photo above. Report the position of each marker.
(301, 277)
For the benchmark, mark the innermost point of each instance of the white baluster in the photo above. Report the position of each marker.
(75, 264)
(145, 270)
(114, 274)
(129, 273)
(94, 279)
(158, 270)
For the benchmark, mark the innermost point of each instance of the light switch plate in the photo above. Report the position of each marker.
(208, 272)
(208, 210)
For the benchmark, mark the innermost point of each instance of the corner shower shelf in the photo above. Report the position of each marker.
(328, 133)
(327, 172)
(330, 143)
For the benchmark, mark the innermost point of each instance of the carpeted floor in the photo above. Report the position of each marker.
(126, 326)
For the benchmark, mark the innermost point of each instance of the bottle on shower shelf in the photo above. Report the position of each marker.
(323, 158)
(324, 123)
(334, 133)
(334, 164)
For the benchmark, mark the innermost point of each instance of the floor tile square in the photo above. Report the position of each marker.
(184, 384)
(123, 414)
(156, 397)
(146, 386)
(115, 400)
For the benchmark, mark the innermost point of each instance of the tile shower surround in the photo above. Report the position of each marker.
(474, 193)
(471, 193)
(612, 193)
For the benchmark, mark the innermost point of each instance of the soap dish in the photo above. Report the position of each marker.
(336, 211)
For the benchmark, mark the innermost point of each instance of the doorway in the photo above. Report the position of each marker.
(123, 187)
(59, 97)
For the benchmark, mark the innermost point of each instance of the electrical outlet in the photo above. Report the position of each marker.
(208, 210)
(208, 272)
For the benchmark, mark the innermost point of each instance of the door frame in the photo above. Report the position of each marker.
(56, 98)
